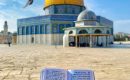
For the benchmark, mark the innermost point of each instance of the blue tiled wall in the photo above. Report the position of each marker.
(41, 29)
(64, 9)
(44, 25)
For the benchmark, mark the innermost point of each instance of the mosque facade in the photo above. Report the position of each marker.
(49, 28)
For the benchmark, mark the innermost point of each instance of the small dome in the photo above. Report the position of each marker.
(86, 15)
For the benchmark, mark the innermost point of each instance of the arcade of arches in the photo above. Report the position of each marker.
(84, 39)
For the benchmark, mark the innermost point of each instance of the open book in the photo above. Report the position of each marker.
(61, 74)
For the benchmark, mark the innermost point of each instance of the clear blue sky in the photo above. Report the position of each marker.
(116, 10)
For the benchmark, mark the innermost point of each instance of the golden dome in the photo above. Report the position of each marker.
(56, 2)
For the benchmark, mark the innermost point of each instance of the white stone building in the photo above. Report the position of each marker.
(88, 32)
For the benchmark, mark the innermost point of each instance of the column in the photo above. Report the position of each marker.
(26, 35)
(109, 39)
(106, 41)
(76, 41)
(91, 45)
(34, 35)
(97, 44)
(79, 41)
(45, 35)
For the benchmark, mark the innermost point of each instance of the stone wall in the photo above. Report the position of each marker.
(14, 39)
(45, 39)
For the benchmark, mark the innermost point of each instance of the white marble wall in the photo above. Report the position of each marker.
(65, 41)
(46, 39)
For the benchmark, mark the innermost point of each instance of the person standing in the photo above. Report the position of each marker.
(9, 44)
(9, 40)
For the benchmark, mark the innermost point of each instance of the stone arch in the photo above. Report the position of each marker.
(83, 31)
(97, 31)
(71, 32)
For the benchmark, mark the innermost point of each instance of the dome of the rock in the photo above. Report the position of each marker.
(61, 2)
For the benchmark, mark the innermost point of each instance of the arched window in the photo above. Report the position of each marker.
(32, 29)
(71, 32)
(42, 30)
(98, 31)
(27, 30)
(37, 29)
(23, 30)
(83, 32)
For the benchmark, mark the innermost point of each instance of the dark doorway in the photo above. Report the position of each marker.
(97, 31)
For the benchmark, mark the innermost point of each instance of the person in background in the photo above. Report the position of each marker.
(9, 43)
(9, 40)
